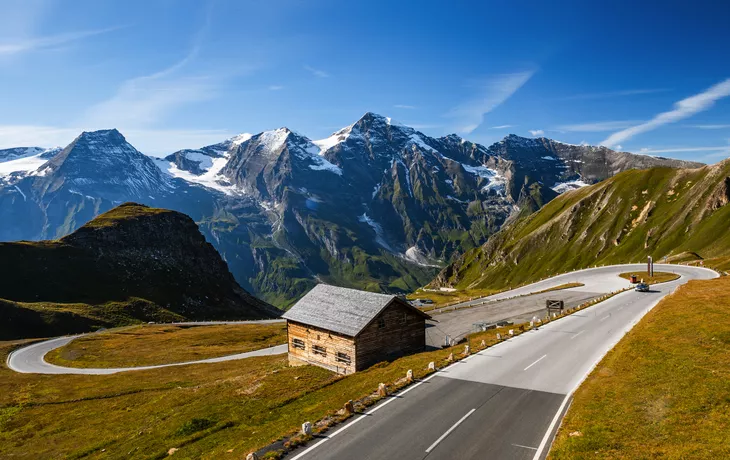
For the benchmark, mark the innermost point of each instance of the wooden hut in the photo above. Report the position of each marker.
(346, 330)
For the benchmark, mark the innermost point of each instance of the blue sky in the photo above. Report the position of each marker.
(641, 76)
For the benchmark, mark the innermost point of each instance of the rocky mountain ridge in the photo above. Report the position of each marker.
(377, 205)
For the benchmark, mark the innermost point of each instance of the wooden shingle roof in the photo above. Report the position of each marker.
(342, 310)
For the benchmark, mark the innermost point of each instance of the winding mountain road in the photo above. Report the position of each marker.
(30, 359)
(504, 402)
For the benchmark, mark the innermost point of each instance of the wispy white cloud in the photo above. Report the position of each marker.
(650, 151)
(48, 42)
(158, 142)
(709, 126)
(598, 126)
(682, 109)
(35, 136)
(404, 106)
(611, 94)
(316, 72)
(275, 87)
(144, 101)
(491, 93)
(537, 132)
(502, 127)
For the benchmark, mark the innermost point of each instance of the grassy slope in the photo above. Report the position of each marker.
(162, 344)
(658, 212)
(664, 391)
(247, 404)
(49, 319)
(659, 277)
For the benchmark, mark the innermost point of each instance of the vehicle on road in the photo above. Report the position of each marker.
(642, 287)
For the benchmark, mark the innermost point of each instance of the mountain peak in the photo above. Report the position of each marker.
(240, 139)
(374, 119)
(107, 134)
(103, 163)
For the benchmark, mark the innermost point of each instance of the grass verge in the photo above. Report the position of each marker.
(150, 345)
(659, 277)
(664, 390)
(208, 411)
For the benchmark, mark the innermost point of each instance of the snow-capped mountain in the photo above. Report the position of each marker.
(567, 166)
(19, 152)
(18, 162)
(376, 205)
(200, 161)
(104, 165)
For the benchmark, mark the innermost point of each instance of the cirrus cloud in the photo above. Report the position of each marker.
(682, 109)
(491, 93)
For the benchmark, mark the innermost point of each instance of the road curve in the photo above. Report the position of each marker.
(597, 279)
(30, 359)
(504, 402)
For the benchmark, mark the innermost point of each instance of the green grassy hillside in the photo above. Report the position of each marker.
(131, 264)
(664, 391)
(658, 212)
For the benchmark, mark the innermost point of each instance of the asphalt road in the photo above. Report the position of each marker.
(506, 401)
(458, 323)
(30, 359)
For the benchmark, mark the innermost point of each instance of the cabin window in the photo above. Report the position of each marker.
(343, 357)
(381, 323)
(404, 318)
(298, 343)
(322, 351)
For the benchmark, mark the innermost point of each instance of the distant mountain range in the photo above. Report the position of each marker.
(377, 205)
(678, 214)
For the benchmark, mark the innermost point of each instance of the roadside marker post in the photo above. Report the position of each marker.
(382, 390)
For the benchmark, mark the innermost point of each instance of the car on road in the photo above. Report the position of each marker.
(642, 287)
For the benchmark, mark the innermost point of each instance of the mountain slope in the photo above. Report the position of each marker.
(660, 212)
(377, 205)
(150, 263)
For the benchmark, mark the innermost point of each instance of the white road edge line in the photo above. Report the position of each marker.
(557, 417)
(365, 415)
(576, 335)
(538, 360)
(550, 429)
(453, 427)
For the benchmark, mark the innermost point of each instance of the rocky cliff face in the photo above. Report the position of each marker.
(130, 252)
